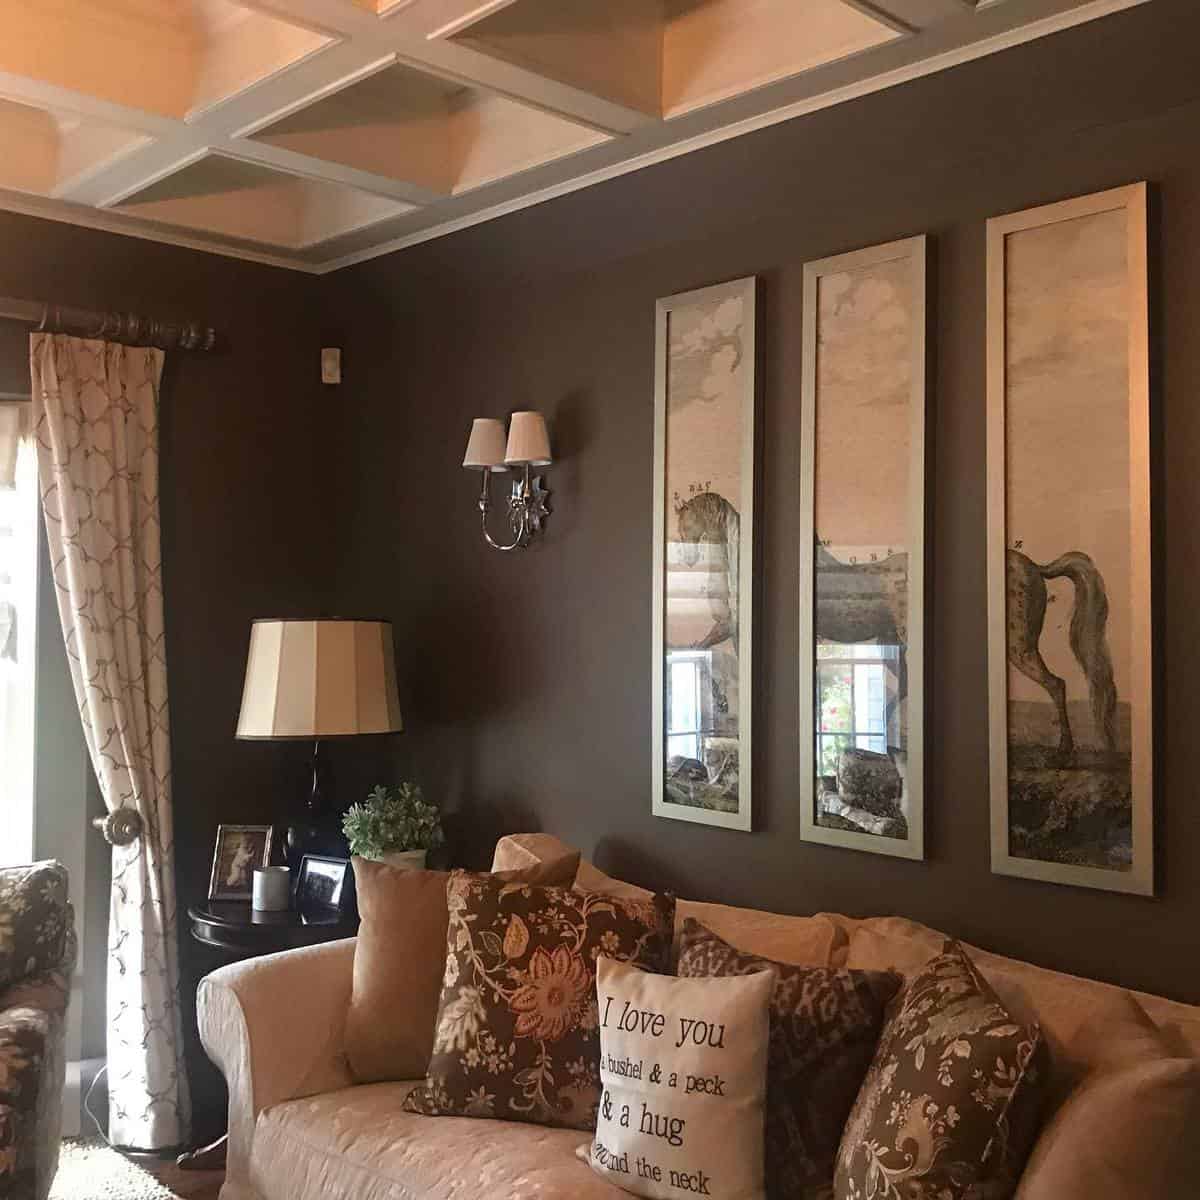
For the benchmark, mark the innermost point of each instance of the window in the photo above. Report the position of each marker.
(689, 687)
(18, 606)
(856, 687)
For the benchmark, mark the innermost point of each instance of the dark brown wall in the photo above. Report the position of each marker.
(526, 677)
(246, 519)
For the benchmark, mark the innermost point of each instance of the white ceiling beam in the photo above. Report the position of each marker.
(475, 69)
(270, 100)
(24, 90)
(339, 18)
(293, 163)
(448, 17)
(910, 16)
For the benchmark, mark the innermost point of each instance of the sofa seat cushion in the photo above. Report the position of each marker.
(359, 1144)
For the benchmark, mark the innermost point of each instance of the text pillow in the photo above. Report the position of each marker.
(517, 1033)
(683, 1066)
(825, 1025)
(950, 1105)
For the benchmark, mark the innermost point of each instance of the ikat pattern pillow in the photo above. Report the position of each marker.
(517, 1034)
(949, 1108)
(683, 1066)
(825, 1025)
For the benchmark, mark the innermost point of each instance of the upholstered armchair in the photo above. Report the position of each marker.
(37, 956)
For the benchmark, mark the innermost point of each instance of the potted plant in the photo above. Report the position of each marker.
(394, 826)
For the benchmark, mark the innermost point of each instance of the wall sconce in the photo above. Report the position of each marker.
(528, 447)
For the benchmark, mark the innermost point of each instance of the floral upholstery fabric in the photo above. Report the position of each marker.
(33, 926)
(37, 954)
(518, 1031)
(825, 1024)
(949, 1108)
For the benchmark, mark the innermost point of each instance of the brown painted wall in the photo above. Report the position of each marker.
(246, 523)
(526, 677)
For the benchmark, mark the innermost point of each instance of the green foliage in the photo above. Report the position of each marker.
(391, 820)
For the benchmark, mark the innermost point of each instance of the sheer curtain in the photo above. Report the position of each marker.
(95, 418)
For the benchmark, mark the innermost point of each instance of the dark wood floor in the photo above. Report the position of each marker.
(188, 1185)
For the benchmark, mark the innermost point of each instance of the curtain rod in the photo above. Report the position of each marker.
(111, 326)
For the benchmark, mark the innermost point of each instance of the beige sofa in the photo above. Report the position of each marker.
(299, 1127)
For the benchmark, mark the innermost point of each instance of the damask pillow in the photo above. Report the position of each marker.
(825, 1024)
(518, 1031)
(950, 1105)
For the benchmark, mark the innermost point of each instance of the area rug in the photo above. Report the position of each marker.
(90, 1170)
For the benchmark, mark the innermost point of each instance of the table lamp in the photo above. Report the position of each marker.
(314, 680)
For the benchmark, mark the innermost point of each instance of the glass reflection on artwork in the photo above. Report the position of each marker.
(863, 462)
(705, 453)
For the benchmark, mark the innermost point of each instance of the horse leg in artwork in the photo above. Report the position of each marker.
(1031, 664)
(1026, 617)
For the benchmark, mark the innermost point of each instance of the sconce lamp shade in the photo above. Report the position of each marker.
(485, 447)
(528, 441)
(319, 679)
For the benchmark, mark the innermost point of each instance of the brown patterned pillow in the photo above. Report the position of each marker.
(825, 1024)
(949, 1108)
(518, 1032)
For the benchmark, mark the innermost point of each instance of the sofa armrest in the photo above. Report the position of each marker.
(274, 1026)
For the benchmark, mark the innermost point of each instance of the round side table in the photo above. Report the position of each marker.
(236, 930)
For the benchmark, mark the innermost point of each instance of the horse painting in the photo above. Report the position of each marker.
(862, 602)
(1026, 595)
(708, 519)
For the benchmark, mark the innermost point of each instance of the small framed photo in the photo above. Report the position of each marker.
(323, 883)
(239, 849)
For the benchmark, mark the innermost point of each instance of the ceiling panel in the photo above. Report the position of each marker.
(246, 201)
(170, 57)
(314, 133)
(45, 150)
(410, 125)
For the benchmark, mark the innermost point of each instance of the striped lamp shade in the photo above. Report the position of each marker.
(319, 679)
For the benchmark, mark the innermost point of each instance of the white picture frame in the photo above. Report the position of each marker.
(898, 827)
(1089, 262)
(721, 323)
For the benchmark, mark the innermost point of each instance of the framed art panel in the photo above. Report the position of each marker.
(1069, 614)
(862, 550)
(703, 564)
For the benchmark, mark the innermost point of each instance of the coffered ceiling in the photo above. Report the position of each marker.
(316, 133)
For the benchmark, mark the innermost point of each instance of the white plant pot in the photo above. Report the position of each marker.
(406, 860)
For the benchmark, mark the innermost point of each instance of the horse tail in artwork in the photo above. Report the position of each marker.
(1089, 638)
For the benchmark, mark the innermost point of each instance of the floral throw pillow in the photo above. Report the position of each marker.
(825, 1024)
(949, 1108)
(518, 1030)
(33, 920)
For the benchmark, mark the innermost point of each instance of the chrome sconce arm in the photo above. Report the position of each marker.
(528, 507)
(528, 446)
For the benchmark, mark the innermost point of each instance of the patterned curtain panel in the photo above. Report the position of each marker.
(95, 421)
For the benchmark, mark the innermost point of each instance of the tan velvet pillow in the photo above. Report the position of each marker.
(399, 961)
(1129, 1129)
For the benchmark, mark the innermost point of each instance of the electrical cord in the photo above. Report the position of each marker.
(87, 1108)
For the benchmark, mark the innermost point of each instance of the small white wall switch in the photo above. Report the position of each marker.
(331, 364)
